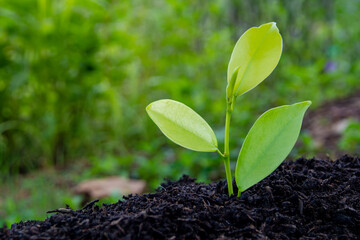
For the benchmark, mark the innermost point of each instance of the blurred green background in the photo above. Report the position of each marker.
(76, 76)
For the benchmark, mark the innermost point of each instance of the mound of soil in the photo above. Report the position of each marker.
(308, 199)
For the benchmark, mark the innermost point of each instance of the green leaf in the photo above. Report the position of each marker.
(268, 143)
(183, 125)
(258, 52)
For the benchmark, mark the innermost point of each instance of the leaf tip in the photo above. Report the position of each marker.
(306, 103)
(273, 26)
(148, 108)
(273, 23)
(303, 105)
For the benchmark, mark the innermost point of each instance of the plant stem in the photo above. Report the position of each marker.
(229, 109)
(220, 153)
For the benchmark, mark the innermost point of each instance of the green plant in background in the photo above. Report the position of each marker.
(273, 135)
(350, 139)
(72, 72)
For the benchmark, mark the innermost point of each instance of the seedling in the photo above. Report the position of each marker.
(272, 136)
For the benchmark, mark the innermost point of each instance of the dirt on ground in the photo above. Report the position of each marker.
(305, 199)
(327, 123)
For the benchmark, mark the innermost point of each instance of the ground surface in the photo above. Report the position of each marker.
(308, 199)
(327, 123)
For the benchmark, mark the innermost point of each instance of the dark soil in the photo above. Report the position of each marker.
(306, 199)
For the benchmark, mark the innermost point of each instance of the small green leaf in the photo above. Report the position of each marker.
(268, 143)
(231, 84)
(258, 52)
(182, 125)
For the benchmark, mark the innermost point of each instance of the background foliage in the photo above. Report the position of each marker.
(76, 76)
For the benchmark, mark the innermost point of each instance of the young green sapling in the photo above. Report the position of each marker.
(272, 136)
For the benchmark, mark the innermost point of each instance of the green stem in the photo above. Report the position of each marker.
(220, 153)
(229, 109)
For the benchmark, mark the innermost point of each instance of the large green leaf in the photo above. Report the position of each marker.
(257, 52)
(268, 143)
(182, 125)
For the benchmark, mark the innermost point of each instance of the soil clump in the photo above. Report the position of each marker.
(304, 199)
